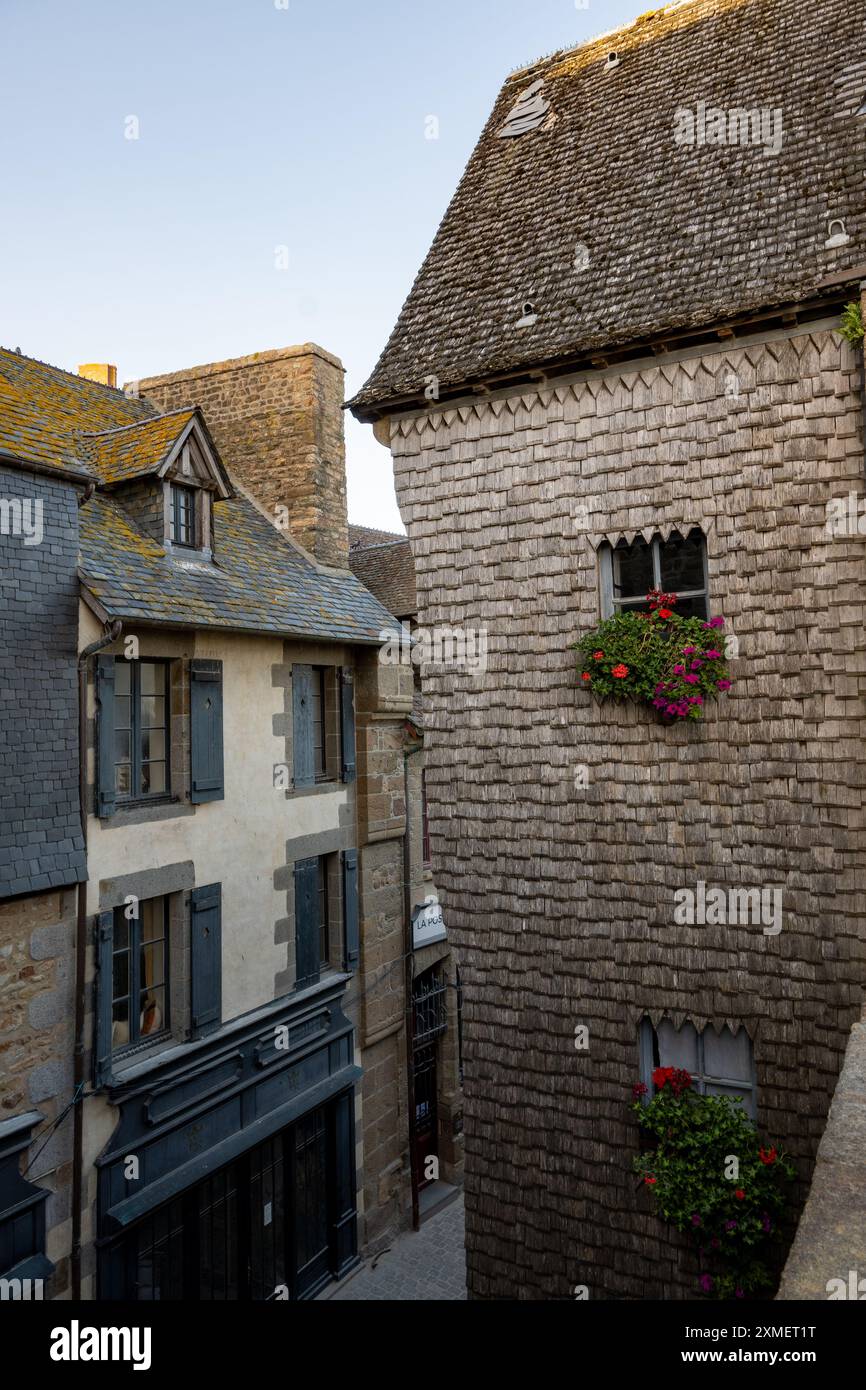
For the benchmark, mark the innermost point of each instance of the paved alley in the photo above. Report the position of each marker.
(425, 1265)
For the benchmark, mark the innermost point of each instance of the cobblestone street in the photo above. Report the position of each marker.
(424, 1265)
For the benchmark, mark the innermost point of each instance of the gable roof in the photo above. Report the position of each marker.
(388, 571)
(44, 411)
(590, 212)
(258, 581)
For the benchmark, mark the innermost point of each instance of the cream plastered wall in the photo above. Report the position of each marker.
(239, 841)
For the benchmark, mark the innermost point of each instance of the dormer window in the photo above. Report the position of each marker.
(182, 517)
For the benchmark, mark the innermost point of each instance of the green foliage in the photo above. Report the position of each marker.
(851, 324)
(734, 1222)
(675, 664)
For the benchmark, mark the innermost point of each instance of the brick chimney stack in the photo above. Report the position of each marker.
(103, 372)
(277, 421)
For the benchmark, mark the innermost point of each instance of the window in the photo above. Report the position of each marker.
(322, 913)
(719, 1063)
(182, 516)
(139, 960)
(141, 765)
(323, 725)
(320, 755)
(676, 566)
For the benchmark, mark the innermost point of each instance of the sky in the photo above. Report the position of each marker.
(192, 180)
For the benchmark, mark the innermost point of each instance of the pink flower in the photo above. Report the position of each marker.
(723, 685)
(716, 622)
(696, 665)
(690, 680)
(713, 655)
(679, 670)
(689, 651)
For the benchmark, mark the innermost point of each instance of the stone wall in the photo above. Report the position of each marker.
(277, 421)
(560, 898)
(37, 1006)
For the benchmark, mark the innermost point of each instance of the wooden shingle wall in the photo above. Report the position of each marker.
(559, 898)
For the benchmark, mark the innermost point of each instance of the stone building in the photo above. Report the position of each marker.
(383, 563)
(619, 366)
(230, 1090)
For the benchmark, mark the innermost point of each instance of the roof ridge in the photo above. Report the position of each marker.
(562, 53)
(138, 424)
(380, 545)
(74, 376)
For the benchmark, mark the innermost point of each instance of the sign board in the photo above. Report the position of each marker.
(428, 924)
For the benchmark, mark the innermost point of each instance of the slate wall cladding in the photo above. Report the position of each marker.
(41, 846)
(276, 419)
(560, 901)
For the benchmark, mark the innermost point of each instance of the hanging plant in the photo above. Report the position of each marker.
(674, 664)
(731, 1211)
(851, 324)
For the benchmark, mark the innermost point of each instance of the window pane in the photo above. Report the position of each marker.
(122, 712)
(152, 678)
(727, 1055)
(692, 608)
(153, 919)
(120, 972)
(713, 1089)
(683, 562)
(678, 1049)
(121, 932)
(153, 777)
(152, 745)
(632, 570)
(122, 779)
(152, 966)
(152, 712)
(122, 677)
(122, 745)
(120, 1021)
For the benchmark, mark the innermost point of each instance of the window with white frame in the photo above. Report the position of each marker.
(719, 1063)
(677, 565)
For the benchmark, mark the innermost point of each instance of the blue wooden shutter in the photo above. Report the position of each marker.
(347, 721)
(206, 940)
(105, 782)
(206, 731)
(351, 920)
(102, 1002)
(307, 962)
(302, 745)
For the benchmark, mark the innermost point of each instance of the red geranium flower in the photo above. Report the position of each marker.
(598, 656)
(586, 676)
(740, 1194)
(665, 613)
(650, 1182)
(678, 1079)
(767, 1155)
(620, 672)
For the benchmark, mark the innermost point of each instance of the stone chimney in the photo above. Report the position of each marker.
(103, 372)
(277, 421)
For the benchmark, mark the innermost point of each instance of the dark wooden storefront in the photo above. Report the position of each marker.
(262, 1228)
(244, 1148)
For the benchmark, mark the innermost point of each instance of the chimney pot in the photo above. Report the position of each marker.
(103, 372)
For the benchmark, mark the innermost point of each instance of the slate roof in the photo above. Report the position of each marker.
(677, 235)
(259, 580)
(388, 571)
(44, 412)
(260, 583)
(362, 536)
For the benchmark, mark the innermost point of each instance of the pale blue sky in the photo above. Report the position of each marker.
(259, 127)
